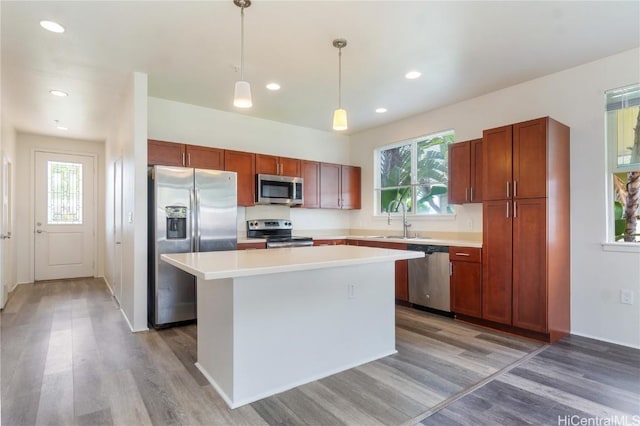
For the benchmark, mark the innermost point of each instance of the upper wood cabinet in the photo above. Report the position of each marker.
(515, 161)
(202, 157)
(330, 186)
(272, 165)
(339, 186)
(243, 163)
(310, 171)
(350, 187)
(333, 186)
(165, 153)
(465, 172)
(176, 154)
(497, 158)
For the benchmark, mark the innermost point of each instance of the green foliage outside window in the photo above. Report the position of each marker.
(416, 173)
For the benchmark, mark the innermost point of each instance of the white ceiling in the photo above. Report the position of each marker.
(190, 51)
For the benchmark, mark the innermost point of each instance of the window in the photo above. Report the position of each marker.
(623, 140)
(414, 172)
(64, 193)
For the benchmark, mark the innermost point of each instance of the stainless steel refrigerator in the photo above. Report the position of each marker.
(190, 210)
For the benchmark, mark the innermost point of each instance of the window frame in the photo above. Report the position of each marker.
(377, 188)
(612, 167)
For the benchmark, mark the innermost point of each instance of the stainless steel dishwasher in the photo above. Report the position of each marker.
(429, 277)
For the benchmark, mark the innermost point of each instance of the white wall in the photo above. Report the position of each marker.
(26, 144)
(574, 97)
(190, 124)
(128, 141)
(7, 149)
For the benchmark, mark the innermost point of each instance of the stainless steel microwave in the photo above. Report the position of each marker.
(273, 189)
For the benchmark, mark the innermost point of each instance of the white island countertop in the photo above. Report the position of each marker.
(245, 263)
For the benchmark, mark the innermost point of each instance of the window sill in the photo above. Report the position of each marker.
(622, 247)
(418, 218)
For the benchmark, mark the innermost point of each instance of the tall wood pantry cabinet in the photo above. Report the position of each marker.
(526, 260)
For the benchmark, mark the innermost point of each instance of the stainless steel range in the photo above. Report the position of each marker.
(277, 232)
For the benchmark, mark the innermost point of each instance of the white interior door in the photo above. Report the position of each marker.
(6, 246)
(64, 216)
(116, 274)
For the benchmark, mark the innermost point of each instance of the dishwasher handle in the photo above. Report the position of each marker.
(428, 249)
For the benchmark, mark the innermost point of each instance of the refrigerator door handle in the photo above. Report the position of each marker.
(193, 219)
(197, 221)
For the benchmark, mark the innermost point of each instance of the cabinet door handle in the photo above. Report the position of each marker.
(471, 191)
(463, 254)
(466, 194)
(183, 159)
(515, 188)
(507, 208)
(189, 158)
(515, 209)
(450, 268)
(507, 189)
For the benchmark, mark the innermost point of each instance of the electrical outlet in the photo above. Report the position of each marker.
(626, 297)
(470, 224)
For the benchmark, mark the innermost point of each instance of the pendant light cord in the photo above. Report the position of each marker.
(340, 78)
(242, 43)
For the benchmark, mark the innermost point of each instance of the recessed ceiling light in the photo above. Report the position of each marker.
(58, 93)
(273, 86)
(52, 26)
(381, 110)
(412, 75)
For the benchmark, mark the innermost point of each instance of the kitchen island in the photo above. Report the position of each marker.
(271, 320)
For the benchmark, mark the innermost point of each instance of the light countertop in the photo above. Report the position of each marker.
(243, 263)
(436, 241)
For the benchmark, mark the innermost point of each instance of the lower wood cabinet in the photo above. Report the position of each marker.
(466, 281)
(402, 266)
(249, 246)
(329, 242)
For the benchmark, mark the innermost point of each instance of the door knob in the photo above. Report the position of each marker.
(40, 231)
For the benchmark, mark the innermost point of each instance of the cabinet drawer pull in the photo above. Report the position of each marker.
(507, 190)
(463, 254)
(515, 188)
(507, 208)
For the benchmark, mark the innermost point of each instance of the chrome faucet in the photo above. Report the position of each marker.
(405, 224)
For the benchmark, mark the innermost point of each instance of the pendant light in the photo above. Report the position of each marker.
(339, 115)
(242, 90)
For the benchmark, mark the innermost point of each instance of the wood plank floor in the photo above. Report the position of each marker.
(68, 358)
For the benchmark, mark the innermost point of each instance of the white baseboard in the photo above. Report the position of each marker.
(615, 342)
(133, 330)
